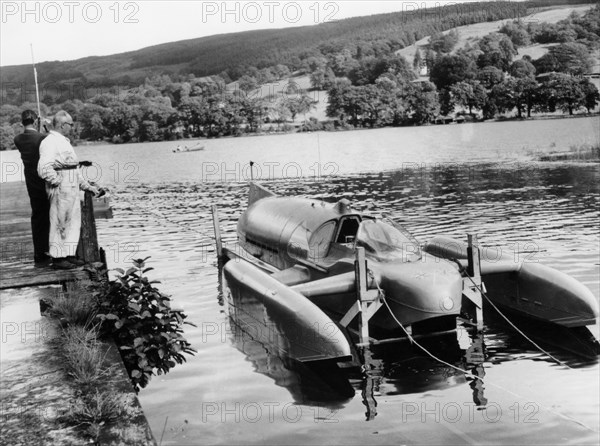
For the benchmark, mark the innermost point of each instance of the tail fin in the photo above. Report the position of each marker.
(258, 192)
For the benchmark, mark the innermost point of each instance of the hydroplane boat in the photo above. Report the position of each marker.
(297, 258)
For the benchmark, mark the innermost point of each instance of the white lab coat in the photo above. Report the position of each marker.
(62, 187)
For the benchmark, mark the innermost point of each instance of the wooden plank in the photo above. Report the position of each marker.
(43, 277)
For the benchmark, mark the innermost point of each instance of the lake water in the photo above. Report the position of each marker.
(452, 180)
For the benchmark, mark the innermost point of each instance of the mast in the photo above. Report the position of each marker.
(37, 91)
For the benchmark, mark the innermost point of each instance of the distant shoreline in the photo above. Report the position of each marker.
(83, 143)
(296, 129)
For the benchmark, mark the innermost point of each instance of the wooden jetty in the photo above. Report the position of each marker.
(16, 246)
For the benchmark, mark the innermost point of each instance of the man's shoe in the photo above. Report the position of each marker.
(75, 261)
(62, 263)
(43, 263)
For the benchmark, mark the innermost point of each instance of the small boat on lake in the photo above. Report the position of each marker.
(300, 258)
(194, 148)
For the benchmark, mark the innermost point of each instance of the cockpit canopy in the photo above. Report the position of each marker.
(383, 240)
(387, 241)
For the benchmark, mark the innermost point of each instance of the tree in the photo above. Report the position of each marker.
(450, 69)
(591, 95)
(519, 93)
(247, 83)
(517, 33)
(7, 134)
(423, 102)
(149, 131)
(522, 68)
(470, 94)
(191, 113)
(302, 104)
(265, 76)
(280, 111)
(253, 110)
(490, 76)
(314, 63)
(564, 92)
(443, 43)
(280, 71)
(571, 58)
(417, 61)
(446, 100)
(343, 62)
(321, 79)
(93, 118)
(497, 51)
(336, 98)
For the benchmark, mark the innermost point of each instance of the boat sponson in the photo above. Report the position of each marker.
(544, 293)
(309, 333)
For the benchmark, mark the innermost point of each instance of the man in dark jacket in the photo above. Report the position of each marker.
(28, 144)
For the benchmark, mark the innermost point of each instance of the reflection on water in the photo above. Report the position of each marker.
(474, 359)
(538, 212)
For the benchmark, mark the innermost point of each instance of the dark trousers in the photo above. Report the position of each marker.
(40, 213)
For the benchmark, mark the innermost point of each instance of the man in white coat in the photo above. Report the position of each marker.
(59, 167)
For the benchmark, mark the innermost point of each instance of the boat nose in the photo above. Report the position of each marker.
(422, 290)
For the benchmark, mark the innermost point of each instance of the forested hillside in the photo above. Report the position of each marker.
(231, 54)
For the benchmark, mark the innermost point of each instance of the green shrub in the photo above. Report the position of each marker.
(145, 328)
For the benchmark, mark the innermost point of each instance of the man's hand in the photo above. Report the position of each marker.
(94, 190)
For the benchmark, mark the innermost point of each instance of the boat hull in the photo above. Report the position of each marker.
(530, 289)
(272, 312)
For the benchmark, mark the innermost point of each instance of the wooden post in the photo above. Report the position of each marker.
(87, 249)
(474, 271)
(367, 301)
(360, 271)
(217, 229)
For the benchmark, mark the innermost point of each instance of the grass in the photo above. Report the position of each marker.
(93, 410)
(84, 361)
(84, 357)
(74, 306)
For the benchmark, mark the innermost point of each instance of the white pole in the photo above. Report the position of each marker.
(37, 91)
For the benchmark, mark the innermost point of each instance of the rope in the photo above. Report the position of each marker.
(566, 417)
(412, 340)
(558, 361)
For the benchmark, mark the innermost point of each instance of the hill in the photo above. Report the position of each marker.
(474, 32)
(467, 34)
(234, 53)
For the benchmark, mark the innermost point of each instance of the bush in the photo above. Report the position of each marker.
(312, 125)
(145, 328)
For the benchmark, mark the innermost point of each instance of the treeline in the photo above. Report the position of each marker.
(161, 109)
(381, 90)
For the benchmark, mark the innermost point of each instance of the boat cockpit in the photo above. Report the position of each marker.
(336, 239)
